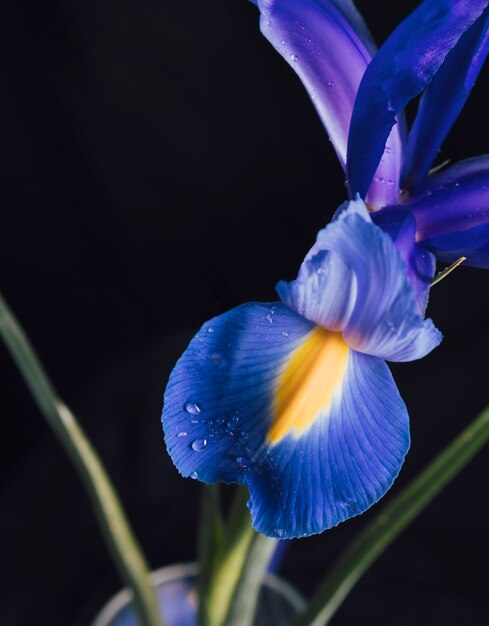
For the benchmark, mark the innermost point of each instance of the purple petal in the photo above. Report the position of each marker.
(404, 65)
(443, 100)
(455, 199)
(472, 244)
(328, 46)
(399, 223)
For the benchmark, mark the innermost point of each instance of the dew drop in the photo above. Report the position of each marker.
(243, 461)
(284, 42)
(217, 359)
(220, 420)
(192, 407)
(269, 22)
(182, 433)
(199, 444)
(194, 421)
(280, 532)
(388, 149)
(330, 83)
(210, 329)
(194, 475)
(284, 333)
(294, 58)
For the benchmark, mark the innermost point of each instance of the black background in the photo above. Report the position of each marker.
(160, 164)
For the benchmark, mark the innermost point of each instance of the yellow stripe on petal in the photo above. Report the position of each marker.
(314, 372)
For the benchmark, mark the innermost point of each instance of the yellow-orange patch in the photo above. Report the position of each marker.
(308, 383)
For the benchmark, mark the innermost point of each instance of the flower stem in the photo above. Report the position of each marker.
(118, 535)
(234, 560)
(392, 520)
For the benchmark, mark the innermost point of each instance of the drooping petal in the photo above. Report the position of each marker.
(357, 264)
(327, 44)
(399, 223)
(265, 398)
(342, 465)
(443, 100)
(400, 70)
(455, 199)
(227, 377)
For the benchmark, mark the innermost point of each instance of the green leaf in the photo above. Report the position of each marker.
(118, 535)
(392, 520)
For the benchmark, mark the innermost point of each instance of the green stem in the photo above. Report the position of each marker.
(233, 570)
(392, 520)
(244, 601)
(116, 530)
(210, 544)
(229, 561)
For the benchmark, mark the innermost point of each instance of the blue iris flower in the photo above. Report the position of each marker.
(294, 399)
(360, 94)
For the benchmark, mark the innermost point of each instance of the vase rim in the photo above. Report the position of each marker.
(182, 570)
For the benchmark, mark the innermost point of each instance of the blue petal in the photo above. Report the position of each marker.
(219, 409)
(227, 375)
(404, 65)
(472, 243)
(327, 44)
(443, 100)
(399, 223)
(342, 465)
(324, 291)
(454, 200)
(355, 280)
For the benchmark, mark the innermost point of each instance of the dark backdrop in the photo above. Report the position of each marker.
(161, 164)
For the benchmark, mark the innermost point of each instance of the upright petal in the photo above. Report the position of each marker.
(404, 65)
(264, 398)
(355, 280)
(443, 100)
(328, 46)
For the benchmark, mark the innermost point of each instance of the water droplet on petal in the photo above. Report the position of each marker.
(194, 421)
(210, 329)
(182, 433)
(199, 444)
(217, 359)
(192, 407)
(243, 461)
(330, 83)
(194, 475)
(284, 333)
(294, 58)
(280, 532)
